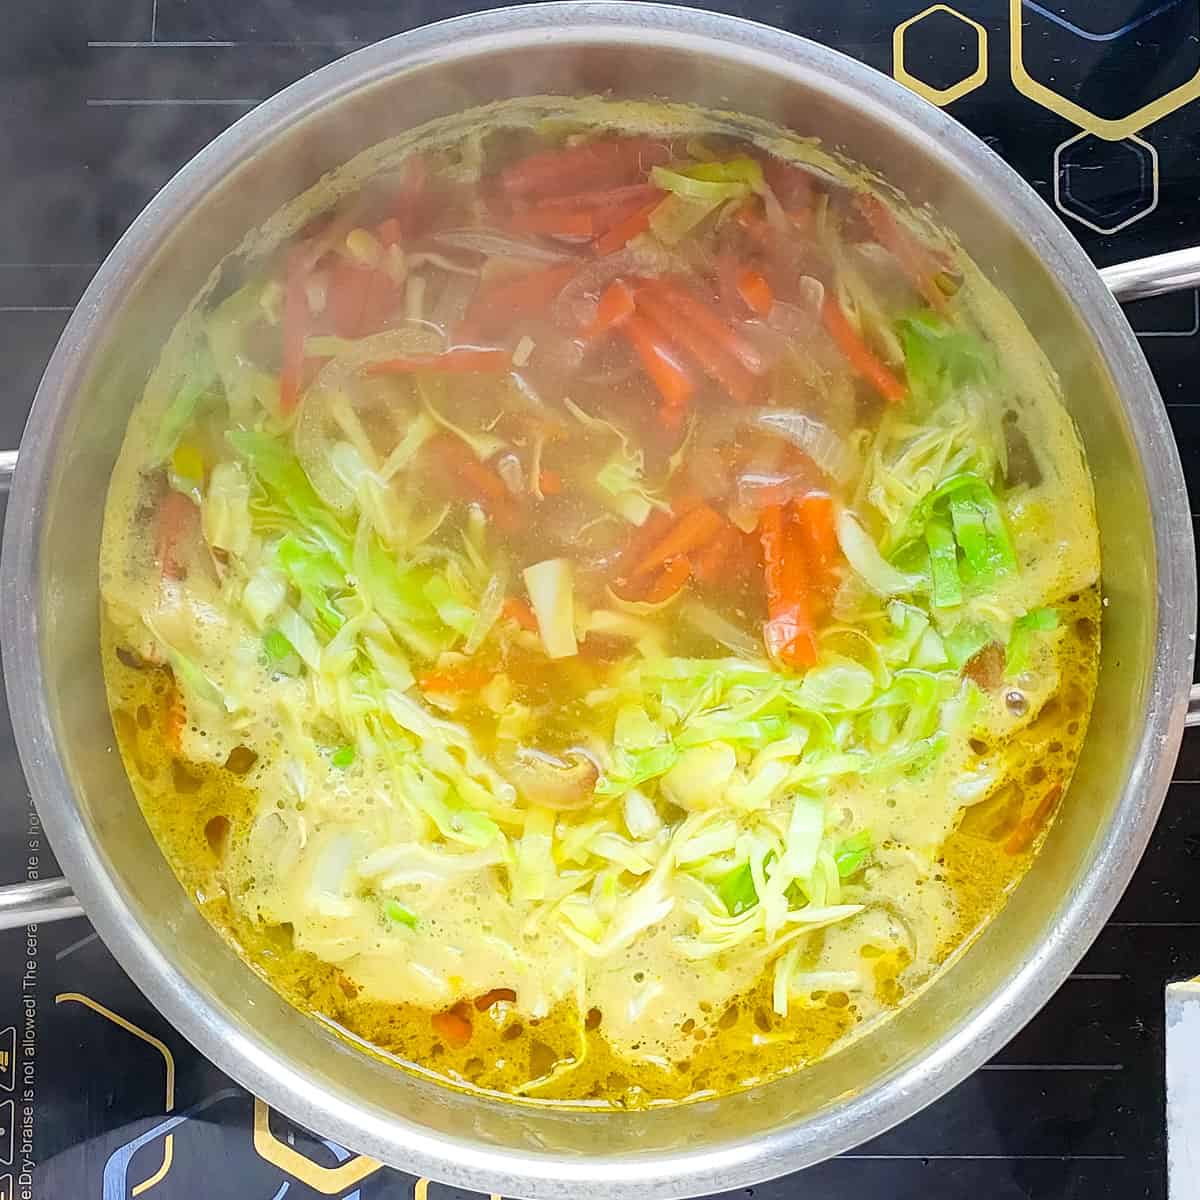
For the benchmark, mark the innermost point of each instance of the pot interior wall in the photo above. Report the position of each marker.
(87, 437)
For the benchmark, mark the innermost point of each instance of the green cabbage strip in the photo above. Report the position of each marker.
(852, 854)
(964, 536)
(941, 358)
(198, 383)
(1020, 642)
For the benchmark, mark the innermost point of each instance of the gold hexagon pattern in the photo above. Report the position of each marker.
(947, 95)
(1109, 129)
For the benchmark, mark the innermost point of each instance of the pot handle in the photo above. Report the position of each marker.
(32, 903)
(1171, 272)
(43, 899)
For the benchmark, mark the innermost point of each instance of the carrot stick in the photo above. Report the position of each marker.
(1028, 827)
(917, 260)
(484, 1002)
(616, 306)
(680, 322)
(461, 361)
(359, 299)
(455, 679)
(554, 222)
(607, 162)
(626, 230)
(634, 195)
(178, 518)
(412, 206)
(663, 365)
(708, 564)
(174, 717)
(498, 305)
(295, 329)
(518, 610)
(477, 480)
(788, 632)
(451, 1027)
(666, 296)
(755, 291)
(818, 534)
(550, 482)
(671, 578)
(859, 355)
(694, 529)
(389, 232)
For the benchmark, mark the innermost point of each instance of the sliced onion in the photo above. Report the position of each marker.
(869, 565)
(576, 304)
(829, 451)
(499, 245)
(440, 261)
(642, 608)
(799, 320)
(490, 604)
(710, 623)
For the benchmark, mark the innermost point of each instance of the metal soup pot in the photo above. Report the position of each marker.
(51, 605)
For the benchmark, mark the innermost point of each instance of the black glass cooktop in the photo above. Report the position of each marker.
(1093, 101)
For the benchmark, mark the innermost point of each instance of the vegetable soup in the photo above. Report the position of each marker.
(600, 600)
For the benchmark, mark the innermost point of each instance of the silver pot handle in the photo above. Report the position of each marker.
(32, 903)
(8, 464)
(1171, 272)
(45, 899)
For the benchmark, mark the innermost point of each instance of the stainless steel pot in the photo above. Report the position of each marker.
(50, 605)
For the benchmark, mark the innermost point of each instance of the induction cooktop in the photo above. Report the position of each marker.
(1095, 102)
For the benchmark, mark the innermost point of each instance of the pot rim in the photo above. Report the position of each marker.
(460, 1161)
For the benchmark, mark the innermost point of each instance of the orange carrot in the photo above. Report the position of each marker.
(684, 309)
(554, 222)
(174, 718)
(484, 1002)
(1027, 829)
(616, 305)
(178, 518)
(662, 364)
(550, 482)
(674, 575)
(708, 564)
(626, 230)
(694, 529)
(633, 195)
(689, 323)
(755, 291)
(818, 533)
(359, 299)
(413, 205)
(455, 679)
(462, 361)
(518, 610)
(920, 263)
(606, 162)
(477, 480)
(451, 1027)
(858, 354)
(496, 306)
(389, 232)
(584, 214)
(788, 632)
